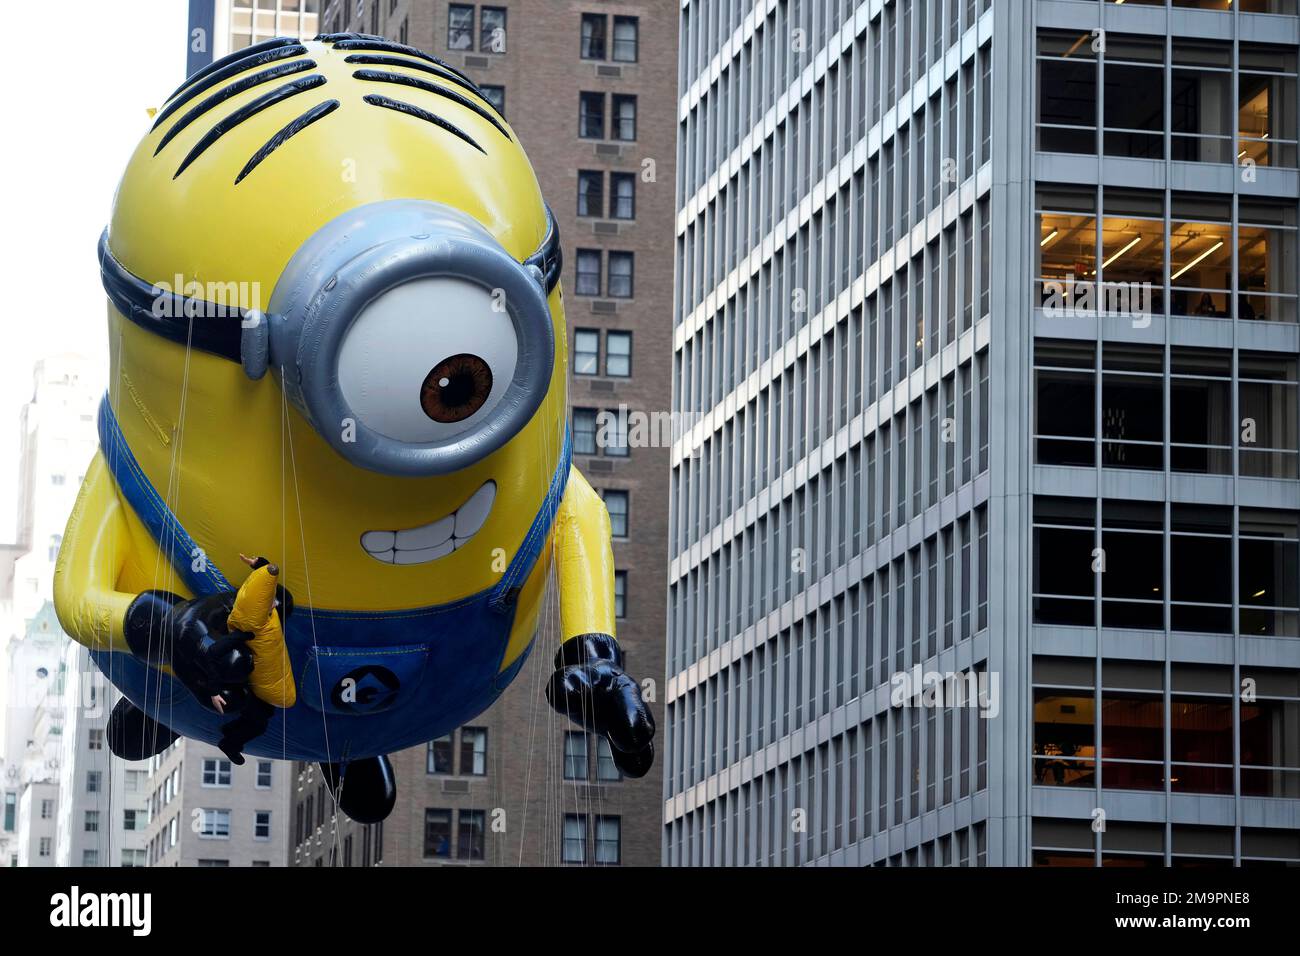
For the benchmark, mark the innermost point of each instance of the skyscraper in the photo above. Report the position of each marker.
(103, 805)
(220, 27)
(57, 435)
(984, 550)
(588, 89)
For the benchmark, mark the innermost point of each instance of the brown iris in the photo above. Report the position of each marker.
(456, 388)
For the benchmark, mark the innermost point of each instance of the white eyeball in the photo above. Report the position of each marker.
(428, 360)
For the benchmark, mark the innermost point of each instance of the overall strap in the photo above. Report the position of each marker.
(507, 589)
(195, 568)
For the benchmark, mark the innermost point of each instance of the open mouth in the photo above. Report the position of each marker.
(434, 540)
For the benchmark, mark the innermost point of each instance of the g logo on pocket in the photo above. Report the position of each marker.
(366, 690)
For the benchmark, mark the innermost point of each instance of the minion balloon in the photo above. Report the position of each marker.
(390, 426)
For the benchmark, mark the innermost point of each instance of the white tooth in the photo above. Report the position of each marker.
(474, 512)
(427, 536)
(377, 541)
(424, 554)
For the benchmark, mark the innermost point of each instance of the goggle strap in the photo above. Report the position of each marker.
(217, 328)
(208, 326)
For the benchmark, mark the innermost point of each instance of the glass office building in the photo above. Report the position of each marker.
(985, 520)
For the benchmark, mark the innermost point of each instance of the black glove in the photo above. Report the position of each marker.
(590, 688)
(192, 637)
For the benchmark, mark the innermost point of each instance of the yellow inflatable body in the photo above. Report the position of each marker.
(384, 414)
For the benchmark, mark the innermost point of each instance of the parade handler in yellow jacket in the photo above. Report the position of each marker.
(255, 620)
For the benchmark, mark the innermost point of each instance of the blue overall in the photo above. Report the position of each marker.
(369, 682)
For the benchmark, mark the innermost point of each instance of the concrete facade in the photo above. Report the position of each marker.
(867, 192)
(104, 823)
(206, 812)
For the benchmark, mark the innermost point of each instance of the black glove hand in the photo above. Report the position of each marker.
(591, 689)
(192, 637)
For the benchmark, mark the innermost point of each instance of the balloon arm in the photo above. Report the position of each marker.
(584, 560)
(94, 550)
(589, 685)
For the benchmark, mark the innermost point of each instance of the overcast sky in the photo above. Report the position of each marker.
(76, 101)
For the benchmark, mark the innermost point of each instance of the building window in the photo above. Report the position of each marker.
(470, 837)
(495, 95)
(437, 833)
(593, 36)
(624, 106)
(625, 39)
(619, 283)
(11, 810)
(57, 479)
(88, 857)
(263, 775)
(134, 820)
(591, 192)
(586, 352)
(620, 594)
(1132, 429)
(216, 825)
(608, 840)
(622, 190)
(574, 849)
(492, 30)
(575, 755)
(92, 821)
(588, 272)
(1200, 598)
(618, 354)
(95, 739)
(611, 435)
(460, 26)
(1200, 121)
(93, 778)
(606, 769)
(47, 809)
(262, 825)
(591, 115)
(45, 846)
(584, 431)
(616, 504)
(439, 756)
(213, 863)
(216, 772)
(473, 751)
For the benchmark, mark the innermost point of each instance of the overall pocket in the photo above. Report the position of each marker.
(357, 681)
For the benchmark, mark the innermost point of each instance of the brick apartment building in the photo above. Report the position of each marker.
(590, 90)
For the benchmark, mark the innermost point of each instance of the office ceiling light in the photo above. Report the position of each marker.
(1213, 248)
(1132, 243)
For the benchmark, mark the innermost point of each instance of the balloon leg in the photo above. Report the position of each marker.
(134, 735)
(365, 790)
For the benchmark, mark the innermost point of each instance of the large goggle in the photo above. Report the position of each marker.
(402, 330)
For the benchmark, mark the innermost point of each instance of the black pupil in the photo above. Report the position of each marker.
(456, 388)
